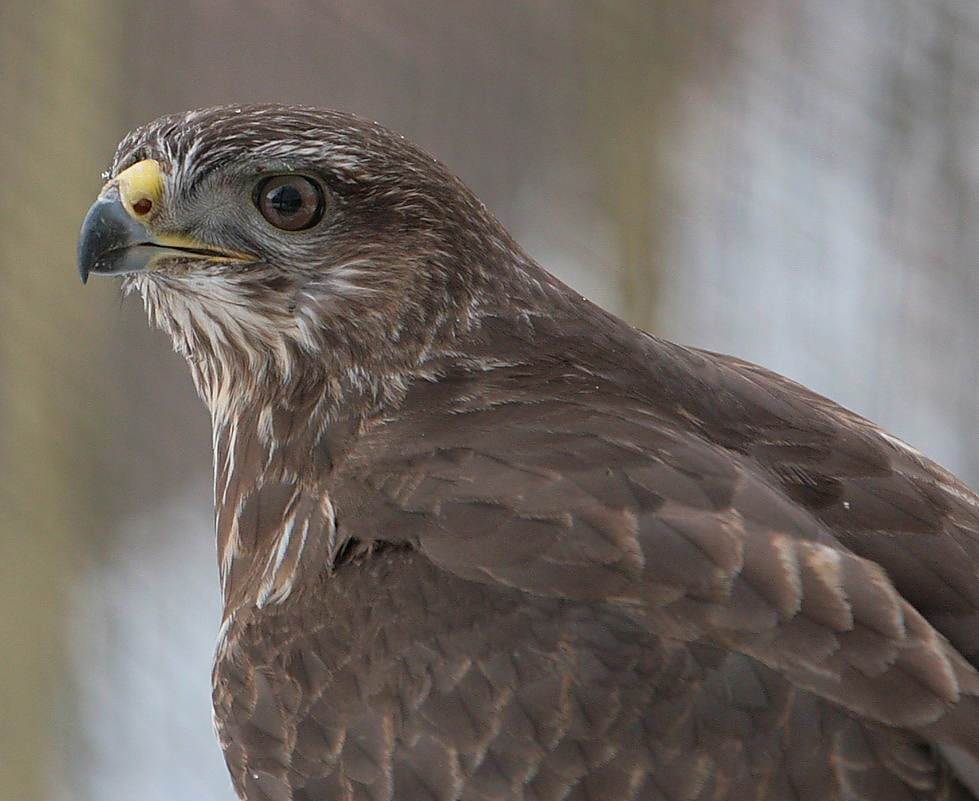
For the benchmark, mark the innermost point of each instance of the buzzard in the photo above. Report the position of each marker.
(480, 539)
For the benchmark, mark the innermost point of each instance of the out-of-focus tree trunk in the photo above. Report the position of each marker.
(52, 116)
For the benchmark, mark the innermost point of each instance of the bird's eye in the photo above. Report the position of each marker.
(290, 202)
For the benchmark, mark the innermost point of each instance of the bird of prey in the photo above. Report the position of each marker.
(480, 539)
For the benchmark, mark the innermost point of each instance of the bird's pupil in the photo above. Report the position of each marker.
(286, 200)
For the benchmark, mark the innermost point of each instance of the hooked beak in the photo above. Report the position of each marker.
(117, 236)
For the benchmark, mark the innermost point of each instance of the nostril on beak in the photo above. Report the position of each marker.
(143, 206)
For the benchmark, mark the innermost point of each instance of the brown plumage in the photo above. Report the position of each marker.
(480, 539)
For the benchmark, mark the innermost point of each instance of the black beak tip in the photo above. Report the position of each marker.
(95, 238)
(107, 233)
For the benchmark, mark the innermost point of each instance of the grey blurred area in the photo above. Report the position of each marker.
(793, 181)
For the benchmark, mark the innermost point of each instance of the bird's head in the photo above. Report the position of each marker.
(267, 239)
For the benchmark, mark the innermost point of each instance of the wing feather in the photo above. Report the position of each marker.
(591, 494)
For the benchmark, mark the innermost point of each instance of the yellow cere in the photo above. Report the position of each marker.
(140, 187)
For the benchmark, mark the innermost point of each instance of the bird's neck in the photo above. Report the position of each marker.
(277, 449)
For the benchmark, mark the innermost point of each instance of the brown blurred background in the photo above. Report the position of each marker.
(794, 181)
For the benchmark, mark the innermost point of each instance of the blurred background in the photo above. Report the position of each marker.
(793, 181)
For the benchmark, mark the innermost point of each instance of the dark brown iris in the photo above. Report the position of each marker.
(290, 202)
